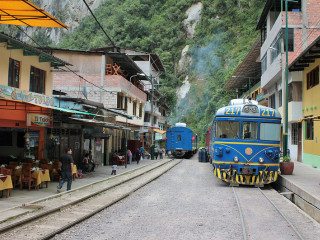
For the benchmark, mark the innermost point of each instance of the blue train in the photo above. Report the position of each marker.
(245, 143)
(181, 141)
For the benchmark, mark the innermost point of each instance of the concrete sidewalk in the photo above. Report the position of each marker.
(19, 197)
(304, 183)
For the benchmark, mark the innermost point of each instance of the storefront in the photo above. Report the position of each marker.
(22, 130)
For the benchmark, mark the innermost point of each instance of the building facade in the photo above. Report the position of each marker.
(302, 30)
(26, 81)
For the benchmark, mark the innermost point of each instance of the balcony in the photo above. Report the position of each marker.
(294, 111)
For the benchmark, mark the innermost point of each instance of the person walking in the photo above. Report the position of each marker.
(129, 154)
(138, 155)
(161, 153)
(66, 169)
(156, 152)
(91, 161)
(142, 152)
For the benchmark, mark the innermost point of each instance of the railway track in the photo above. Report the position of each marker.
(58, 213)
(260, 216)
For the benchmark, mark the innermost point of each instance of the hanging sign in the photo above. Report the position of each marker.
(12, 93)
(39, 120)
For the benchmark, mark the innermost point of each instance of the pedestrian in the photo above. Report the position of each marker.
(91, 161)
(66, 169)
(142, 152)
(129, 154)
(86, 165)
(138, 155)
(161, 153)
(156, 152)
(114, 169)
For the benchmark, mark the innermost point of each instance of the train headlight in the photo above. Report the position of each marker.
(261, 160)
(236, 159)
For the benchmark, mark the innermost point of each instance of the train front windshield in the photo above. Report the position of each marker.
(249, 130)
(270, 131)
(228, 129)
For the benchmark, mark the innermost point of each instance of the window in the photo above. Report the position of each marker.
(294, 133)
(313, 78)
(227, 129)
(134, 110)
(14, 73)
(126, 104)
(272, 101)
(140, 110)
(179, 138)
(270, 131)
(249, 130)
(264, 64)
(290, 39)
(37, 80)
(309, 129)
(280, 98)
(146, 117)
(119, 100)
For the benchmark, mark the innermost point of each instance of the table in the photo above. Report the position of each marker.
(6, 184)
(41, 176)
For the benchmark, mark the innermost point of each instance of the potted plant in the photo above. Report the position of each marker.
(286, 166)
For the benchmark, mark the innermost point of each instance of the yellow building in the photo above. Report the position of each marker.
(308, 62)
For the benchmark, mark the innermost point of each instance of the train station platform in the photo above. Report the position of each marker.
(19, 197)
(302, 188)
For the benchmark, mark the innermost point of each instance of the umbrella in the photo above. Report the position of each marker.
(23, 12)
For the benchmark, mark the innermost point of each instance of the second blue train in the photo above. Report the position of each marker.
(181, 141)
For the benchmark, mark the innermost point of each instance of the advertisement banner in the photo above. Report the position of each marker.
(39, 120)
(12, 93)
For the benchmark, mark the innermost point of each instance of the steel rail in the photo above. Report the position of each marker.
(282, 214)
(60, 230)
(244, 232)
(59, 208)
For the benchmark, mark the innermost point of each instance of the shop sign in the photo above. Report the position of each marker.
(39, 120)
(260, 97)
(12, 93)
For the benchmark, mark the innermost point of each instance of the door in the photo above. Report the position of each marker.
(299, 155)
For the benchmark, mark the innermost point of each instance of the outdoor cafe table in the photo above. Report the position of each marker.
(5, 184)
(41, 176)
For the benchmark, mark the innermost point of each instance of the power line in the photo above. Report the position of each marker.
(113, 45)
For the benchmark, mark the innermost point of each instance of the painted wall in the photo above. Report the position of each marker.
(26, 63)
(311, 106)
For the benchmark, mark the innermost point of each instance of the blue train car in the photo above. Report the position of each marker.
(181, 141)
(245, 143)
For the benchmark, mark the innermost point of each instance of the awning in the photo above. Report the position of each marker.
(138, 125)
(157, 130)
(96, 122)
(23, 12)
(308, 118)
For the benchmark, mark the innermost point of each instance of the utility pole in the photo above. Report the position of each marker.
(152, 117)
